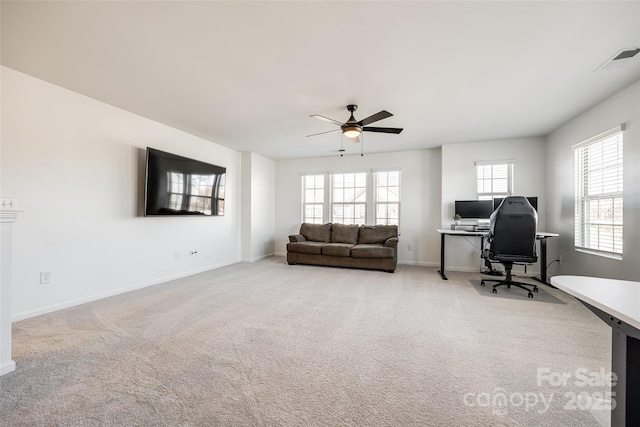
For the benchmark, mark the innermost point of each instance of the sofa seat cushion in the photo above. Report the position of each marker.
(377, 233)
(337, 249)
(372, 251)
(344, 233)
(316, 232)
(314, 248)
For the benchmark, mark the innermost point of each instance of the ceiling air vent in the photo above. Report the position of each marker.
(621, 58)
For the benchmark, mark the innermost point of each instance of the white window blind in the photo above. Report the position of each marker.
(495, 179)
(598, 195)
(387, 201)
(313, 199)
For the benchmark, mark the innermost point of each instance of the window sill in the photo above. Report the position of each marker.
(610, 255)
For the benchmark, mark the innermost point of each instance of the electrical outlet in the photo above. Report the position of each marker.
(45, 277)
(559, 259)
(176, 255)
(410, 247)
(8, 203)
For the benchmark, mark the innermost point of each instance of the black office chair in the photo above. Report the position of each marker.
(512, 239)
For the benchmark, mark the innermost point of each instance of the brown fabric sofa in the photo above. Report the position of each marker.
(341, 245)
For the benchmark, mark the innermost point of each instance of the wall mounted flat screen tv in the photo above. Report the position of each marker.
(474, 209)
(176, 185)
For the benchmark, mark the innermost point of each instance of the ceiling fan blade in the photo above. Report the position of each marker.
(326, 119)
(382, 130)
(377, 116)
(322, 133)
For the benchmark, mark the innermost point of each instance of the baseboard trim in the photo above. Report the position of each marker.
(461, 269)
(516, 273)
(257, 258)
(7, 367)
(419, 263)
(55, 307)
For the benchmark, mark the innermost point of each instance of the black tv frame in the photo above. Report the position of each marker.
(156, 188)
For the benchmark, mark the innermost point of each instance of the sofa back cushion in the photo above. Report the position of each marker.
(344, 233)
(316, 232)
(377, 233)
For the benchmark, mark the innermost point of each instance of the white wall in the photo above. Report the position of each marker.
(420, 190)
(624, 107)
(77, 167)
(246, 206)
(258, 206)
(459, 182)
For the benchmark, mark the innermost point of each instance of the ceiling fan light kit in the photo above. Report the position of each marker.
(351, 131)
(352, 128)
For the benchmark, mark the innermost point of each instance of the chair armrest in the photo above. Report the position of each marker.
(296, 238)
(391, 242)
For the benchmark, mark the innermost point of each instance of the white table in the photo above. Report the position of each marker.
(542, 236)
(617, 302)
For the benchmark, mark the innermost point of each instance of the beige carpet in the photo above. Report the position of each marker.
(267, 344)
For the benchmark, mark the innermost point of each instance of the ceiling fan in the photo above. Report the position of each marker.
(353, 128)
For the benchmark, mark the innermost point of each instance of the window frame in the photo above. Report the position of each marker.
(386, 220)
(315, 188)
(359, 192)
(492, 194)
(367, 199)
(593, 171)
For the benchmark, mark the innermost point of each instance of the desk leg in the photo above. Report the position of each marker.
(619, 367)
(625, 352)
(543, 261)
(442, 257)
(543, 255)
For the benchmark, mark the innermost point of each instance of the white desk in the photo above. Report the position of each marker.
(617, 302)
(540, 235)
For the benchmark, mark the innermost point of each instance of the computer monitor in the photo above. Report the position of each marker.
(474, 209)
(532, 200)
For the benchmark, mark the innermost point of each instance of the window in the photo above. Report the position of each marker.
(313, 199)
(349, 198)
(495, 179)
(598, 196)
(387, 201)
(345, 197)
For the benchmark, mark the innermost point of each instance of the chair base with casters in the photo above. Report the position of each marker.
(508, 282)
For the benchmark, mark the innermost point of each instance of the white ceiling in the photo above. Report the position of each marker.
(247, 75)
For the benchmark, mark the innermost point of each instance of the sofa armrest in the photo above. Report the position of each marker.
(391, 242)
(296, 238)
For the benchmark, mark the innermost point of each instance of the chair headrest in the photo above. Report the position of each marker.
(516, 205)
